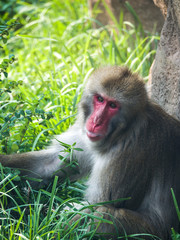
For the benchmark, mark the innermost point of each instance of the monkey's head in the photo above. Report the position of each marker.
(112, 98)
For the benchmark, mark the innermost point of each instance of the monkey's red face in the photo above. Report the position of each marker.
(104, 108)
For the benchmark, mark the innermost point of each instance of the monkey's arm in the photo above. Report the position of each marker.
(128, 222)
(46, 163)
(39, 164)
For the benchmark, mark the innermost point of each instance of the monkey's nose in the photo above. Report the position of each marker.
(97, 121)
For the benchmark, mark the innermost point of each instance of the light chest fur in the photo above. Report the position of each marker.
(94, 191)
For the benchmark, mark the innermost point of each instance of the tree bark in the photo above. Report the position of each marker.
(162, 4)
(164, 82)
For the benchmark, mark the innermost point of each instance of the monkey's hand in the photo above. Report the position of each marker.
(90, 219)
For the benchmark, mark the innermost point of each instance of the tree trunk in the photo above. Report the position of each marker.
(164, 82)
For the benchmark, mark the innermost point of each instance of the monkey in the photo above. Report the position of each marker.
(131, 148)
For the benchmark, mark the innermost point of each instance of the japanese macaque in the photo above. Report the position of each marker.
(131, 148)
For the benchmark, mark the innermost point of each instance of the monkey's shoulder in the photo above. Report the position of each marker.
(160, 117)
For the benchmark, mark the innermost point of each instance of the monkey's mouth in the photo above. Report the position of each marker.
(94, 136)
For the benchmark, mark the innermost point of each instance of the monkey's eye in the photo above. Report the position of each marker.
(100, 99)
(112, 105)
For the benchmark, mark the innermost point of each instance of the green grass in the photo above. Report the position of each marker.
(56, 51)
